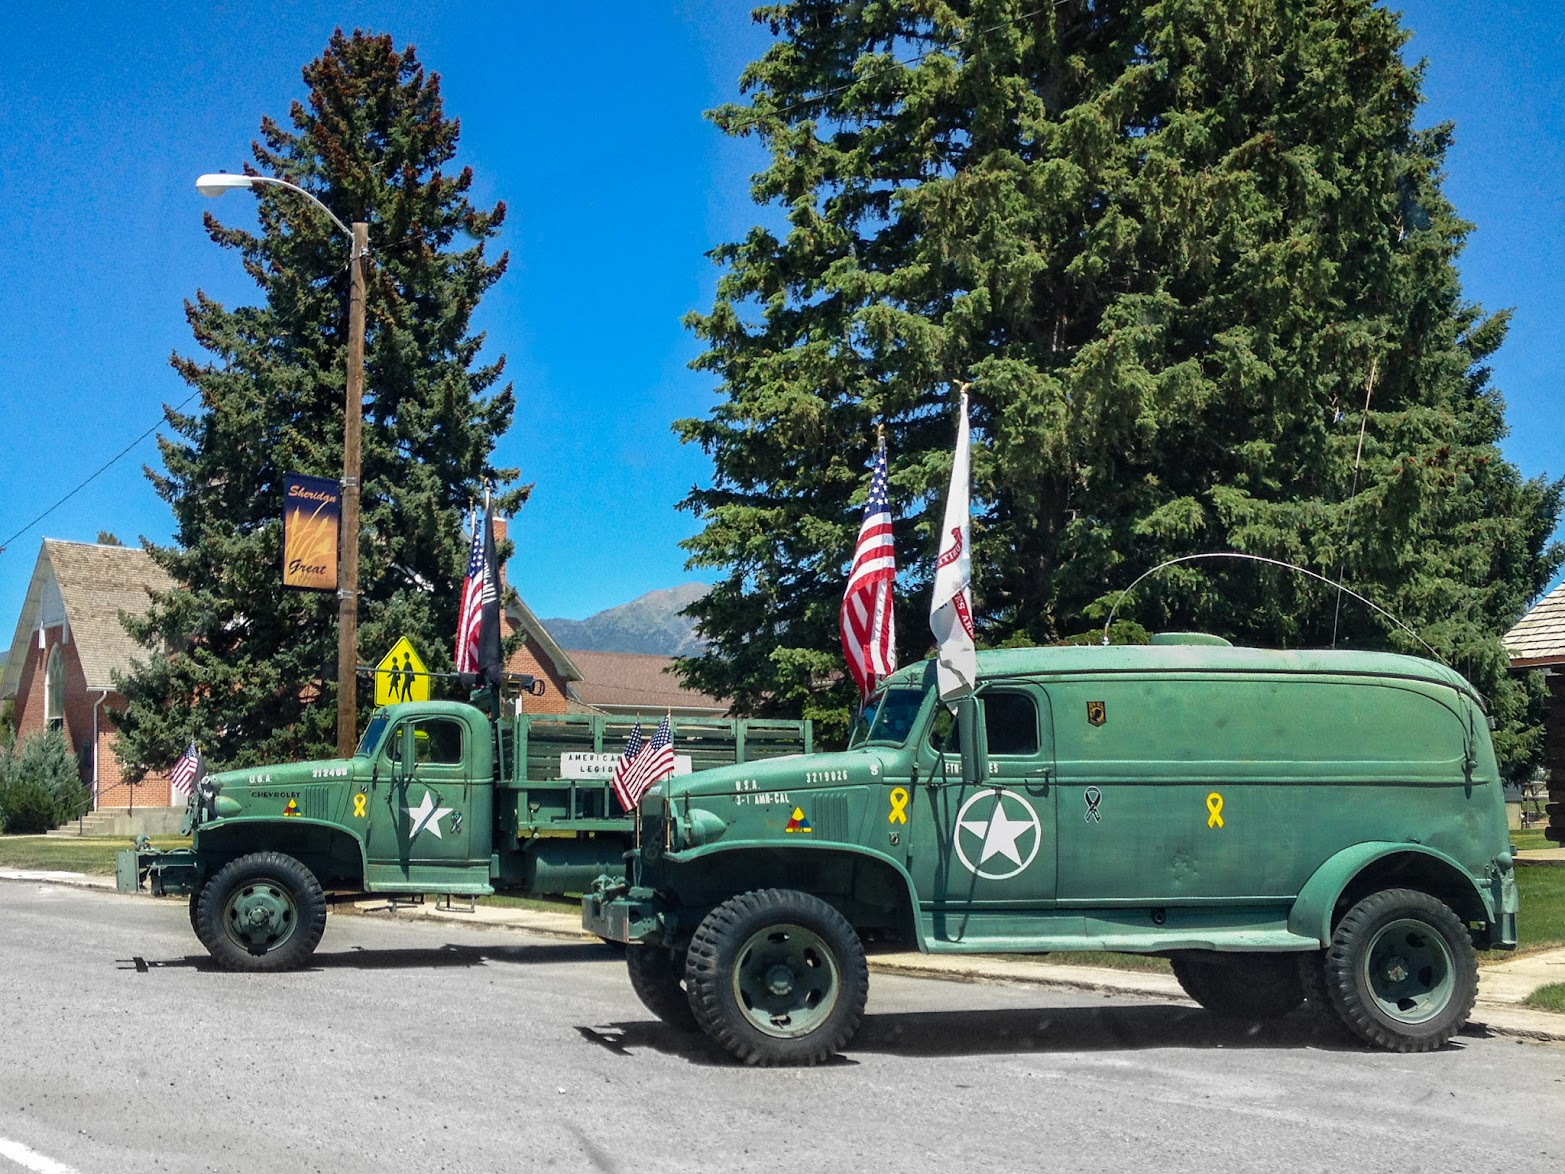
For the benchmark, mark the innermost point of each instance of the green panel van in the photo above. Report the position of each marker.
(1286, 827)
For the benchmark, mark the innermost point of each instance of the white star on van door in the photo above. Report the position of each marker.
(426, 815)
(1001, 833)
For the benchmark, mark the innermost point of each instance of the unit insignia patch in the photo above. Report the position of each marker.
(799, 823)
(291, 807)
(1097, 713)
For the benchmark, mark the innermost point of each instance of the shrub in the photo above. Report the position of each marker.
(40, 786)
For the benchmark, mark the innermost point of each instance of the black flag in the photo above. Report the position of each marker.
(490, 662)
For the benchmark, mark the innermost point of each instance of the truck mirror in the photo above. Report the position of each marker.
(975, 759)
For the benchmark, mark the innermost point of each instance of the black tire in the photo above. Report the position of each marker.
(777, 976)
(657, 975)
(1401, 971)
(1248, 986)
(262, 912)
(195, 904)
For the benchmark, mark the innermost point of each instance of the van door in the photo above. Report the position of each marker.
(988, 847)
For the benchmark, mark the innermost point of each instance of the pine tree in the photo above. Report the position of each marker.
(235, 661)
(1196, 261)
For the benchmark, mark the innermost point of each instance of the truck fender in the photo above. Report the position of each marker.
(1311, 915)
(224, 835)
(708, 853)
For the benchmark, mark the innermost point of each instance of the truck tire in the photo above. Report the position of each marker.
(777, 977)
(1254, 986)
(1401, 971)
(261, 912)
(657, 975)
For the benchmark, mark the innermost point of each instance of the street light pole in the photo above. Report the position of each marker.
(352, 422)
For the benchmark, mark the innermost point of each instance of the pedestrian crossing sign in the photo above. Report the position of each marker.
(401, 675)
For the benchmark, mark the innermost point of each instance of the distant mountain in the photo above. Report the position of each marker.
(651, 623)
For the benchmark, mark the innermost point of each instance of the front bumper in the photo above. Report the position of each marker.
(164, 872)
(614, 911)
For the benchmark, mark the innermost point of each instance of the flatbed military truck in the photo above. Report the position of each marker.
(437, 799)
(1282, 826)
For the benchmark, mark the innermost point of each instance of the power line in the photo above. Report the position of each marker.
(4, 546)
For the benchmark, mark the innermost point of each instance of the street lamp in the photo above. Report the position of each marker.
(348, 560)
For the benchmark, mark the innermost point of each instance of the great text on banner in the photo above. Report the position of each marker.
(312, 513)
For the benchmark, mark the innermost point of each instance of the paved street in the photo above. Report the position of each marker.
(438, 1046)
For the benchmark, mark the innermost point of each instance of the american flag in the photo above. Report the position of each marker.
(869, 638)
(626, 763)
(653, 763)
(188, 771)
(477, 589)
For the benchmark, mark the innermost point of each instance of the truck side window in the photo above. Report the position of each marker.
(1011, 724)
(438, 741)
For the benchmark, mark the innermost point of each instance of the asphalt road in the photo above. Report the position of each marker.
(427, 1046)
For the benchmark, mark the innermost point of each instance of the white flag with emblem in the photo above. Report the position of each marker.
(951, 609)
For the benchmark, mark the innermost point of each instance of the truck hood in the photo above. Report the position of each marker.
(865, 766)
(296, 789)
(290, 774)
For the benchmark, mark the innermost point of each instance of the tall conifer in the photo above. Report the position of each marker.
(235, 661)
(1177, 247)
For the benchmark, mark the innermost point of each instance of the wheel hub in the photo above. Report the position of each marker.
(779, 979)
(1397, 970)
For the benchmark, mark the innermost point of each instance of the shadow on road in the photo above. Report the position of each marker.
(434, 958)
(1014, 1032)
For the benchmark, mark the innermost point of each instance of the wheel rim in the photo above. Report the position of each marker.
(1409, 971)
(786, 981)
(260, 916)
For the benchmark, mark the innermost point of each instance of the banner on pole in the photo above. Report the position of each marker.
(312, 514)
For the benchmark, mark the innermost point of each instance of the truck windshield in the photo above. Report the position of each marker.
(888, 716)
(371, 739)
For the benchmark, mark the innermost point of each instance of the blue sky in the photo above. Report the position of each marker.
(590, 129)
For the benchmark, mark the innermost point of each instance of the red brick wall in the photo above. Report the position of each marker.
(113, 791)
(531, 658)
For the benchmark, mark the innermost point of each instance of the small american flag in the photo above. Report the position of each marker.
(653, 764)
(869, 639)
(188, 771)
(477, 589)
(626, 764)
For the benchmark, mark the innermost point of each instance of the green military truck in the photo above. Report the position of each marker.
(437, 799)
(1282, 826)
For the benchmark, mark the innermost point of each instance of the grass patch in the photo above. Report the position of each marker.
(1142, 962)
(1532, 839)
(1547, 998)
(1541, 923)
(90, 854)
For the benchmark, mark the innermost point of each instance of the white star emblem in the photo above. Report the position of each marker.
(1001, 834)
(426, 816)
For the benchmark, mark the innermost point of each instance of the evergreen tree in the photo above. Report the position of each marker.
(1196, 262)
(242, 665)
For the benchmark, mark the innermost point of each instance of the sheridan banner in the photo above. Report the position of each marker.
(312, 513)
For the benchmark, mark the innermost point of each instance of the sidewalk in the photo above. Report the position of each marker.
(1501, 988)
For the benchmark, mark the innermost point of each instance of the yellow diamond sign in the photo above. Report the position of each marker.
(401, 675)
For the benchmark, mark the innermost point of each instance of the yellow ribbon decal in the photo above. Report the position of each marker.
(1214, 807)
(359, 802)
(898, 805)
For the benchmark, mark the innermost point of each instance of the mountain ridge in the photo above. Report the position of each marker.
(650, 623)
